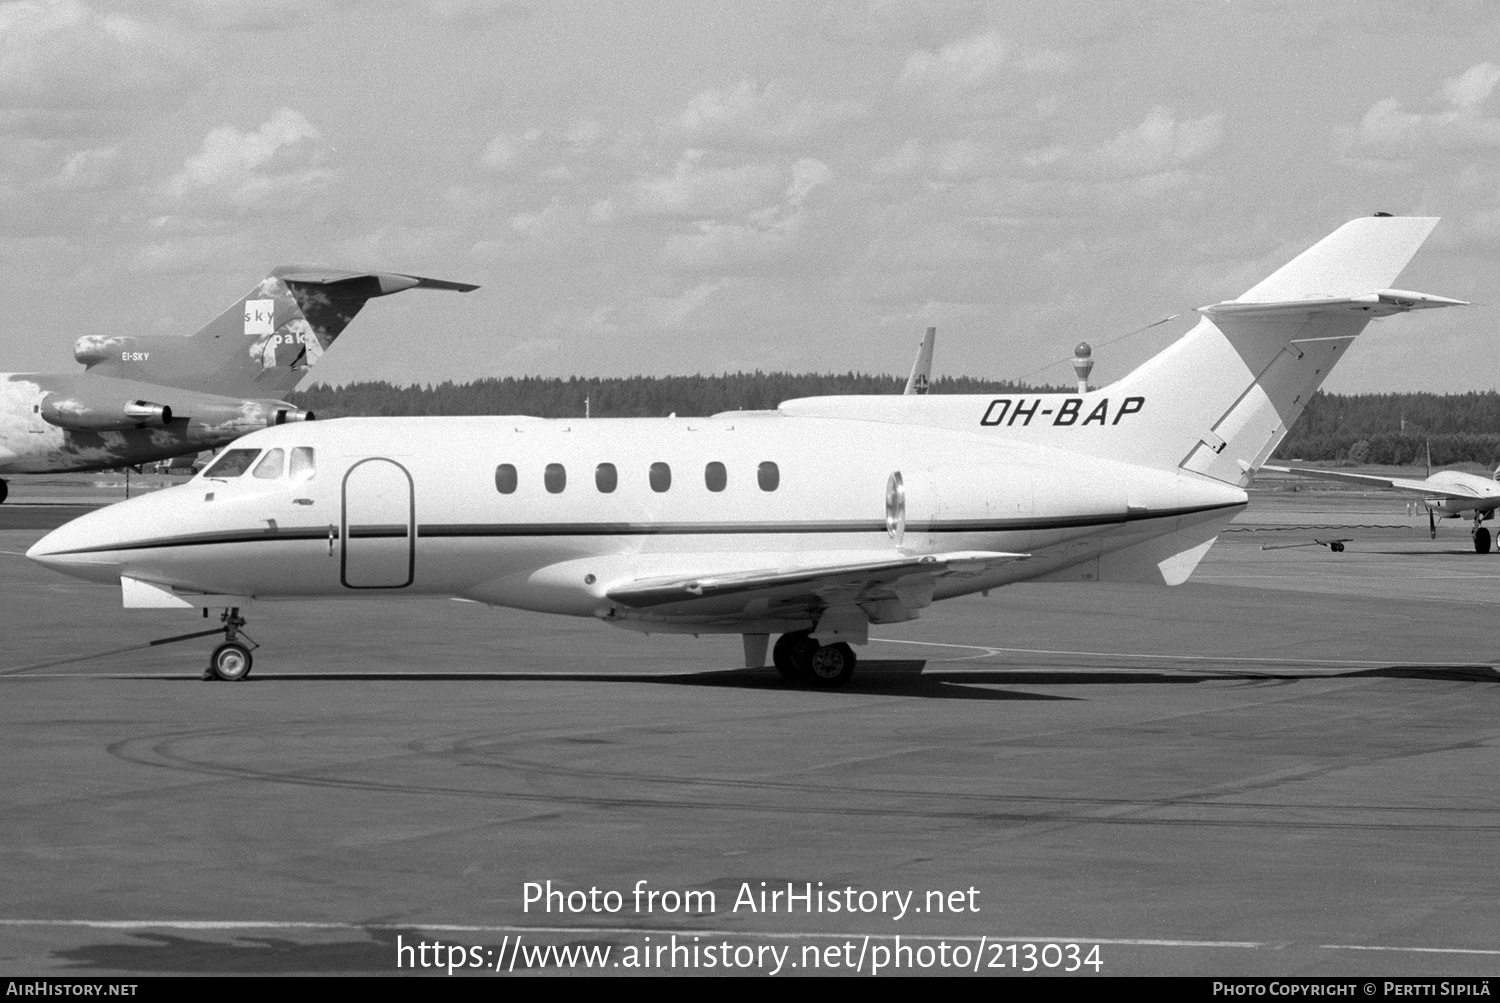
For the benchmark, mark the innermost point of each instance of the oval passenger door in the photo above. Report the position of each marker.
(379, 526)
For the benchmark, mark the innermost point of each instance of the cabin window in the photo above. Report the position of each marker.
(606, 478)
(269, 467)
(506, 479)
(232, 463)
(555, 477)
(304, 464)
(661, 477)
(769, 476)
(715, 476)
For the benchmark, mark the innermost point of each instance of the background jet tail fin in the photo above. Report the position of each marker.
(262, 345)
(921, 367)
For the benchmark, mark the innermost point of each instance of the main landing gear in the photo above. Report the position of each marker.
(4, 490)
(1481, 535)
(800, 658)
(231, 660)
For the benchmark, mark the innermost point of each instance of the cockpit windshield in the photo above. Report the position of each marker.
(273, 464)
(269, 468)
(232, 463)
(303, 465)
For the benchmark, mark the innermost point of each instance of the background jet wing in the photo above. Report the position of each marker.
(822, 579)
(1447, 489)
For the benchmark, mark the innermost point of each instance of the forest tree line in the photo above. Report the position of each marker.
(1352, 428)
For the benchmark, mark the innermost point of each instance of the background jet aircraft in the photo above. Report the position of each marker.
(813, 521)
(921, 367)
(1449, 492)
(150, 397)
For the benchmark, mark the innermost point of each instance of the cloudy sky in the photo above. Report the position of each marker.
(675, 187)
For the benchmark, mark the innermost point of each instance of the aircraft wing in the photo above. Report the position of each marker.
(834, 578)
(1446, 489)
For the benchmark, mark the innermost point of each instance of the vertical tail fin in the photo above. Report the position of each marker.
(263, 344)
(1221, 399)
(921, 367)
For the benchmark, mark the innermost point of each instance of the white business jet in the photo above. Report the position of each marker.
(1447, 493)
(813, 521)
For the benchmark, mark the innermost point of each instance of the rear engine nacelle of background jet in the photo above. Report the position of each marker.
(285, 414)
(80, 414)
(213, 411)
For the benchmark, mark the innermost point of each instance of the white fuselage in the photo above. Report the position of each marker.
(411, 506)
(1485, 492)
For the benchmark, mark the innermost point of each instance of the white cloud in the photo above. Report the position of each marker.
(89, 170)
(766, 235)
(1160, 143)
(507, 150)
(694, 190)
(769, 115)
(1389, 132)
(957, 68)
(478, 12)
(248, 169)
(62, 54)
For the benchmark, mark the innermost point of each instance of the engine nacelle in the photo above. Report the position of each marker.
(80, 415)
(284, 415)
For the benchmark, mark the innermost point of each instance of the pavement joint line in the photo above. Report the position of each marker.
(1413, 950)
(1193, 658)
(208, 925)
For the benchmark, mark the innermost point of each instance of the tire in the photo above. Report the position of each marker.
(230, 662)
(792, 655)
(4, 490)
(1481, 541)
(1337, 548)
(831, 665)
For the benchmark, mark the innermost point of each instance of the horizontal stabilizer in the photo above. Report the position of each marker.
(389, 282)
(1377, 304)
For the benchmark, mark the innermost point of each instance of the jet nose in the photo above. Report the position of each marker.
(83, 547)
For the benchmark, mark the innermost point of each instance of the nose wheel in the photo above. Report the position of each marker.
(231, 661)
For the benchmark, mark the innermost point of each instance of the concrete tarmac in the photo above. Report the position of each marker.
(1286, 766)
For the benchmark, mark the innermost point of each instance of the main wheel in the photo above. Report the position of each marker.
(832, 665)
(792, 654)
(1481, 541)
(4, 490)
(230, 661)
(1336, 547)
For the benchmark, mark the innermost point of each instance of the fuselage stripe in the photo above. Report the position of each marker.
(601, 529)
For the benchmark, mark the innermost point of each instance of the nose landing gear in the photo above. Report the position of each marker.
(231, 661)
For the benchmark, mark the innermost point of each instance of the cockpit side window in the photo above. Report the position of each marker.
(232, 463)
(304, 463)
(269, 467)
